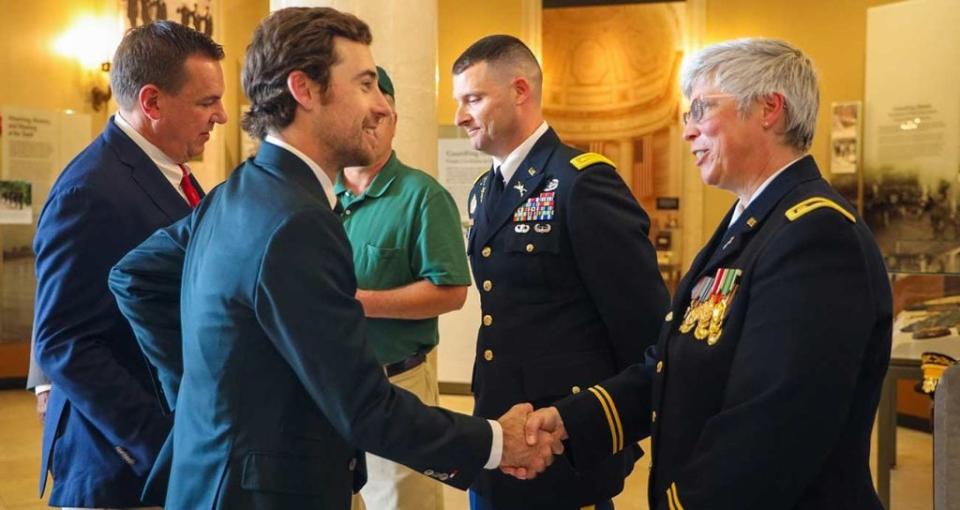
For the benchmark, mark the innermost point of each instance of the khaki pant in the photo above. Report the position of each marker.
(391, 486)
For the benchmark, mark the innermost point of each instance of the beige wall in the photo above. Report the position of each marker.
(832, 33)
(240, 17)
(34, 76)
(461, 22)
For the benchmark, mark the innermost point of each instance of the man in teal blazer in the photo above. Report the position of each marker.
(273, 385)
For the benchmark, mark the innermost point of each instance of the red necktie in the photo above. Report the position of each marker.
(193, 198)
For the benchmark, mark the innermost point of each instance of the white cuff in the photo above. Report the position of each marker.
(496, 446)
(42, 388)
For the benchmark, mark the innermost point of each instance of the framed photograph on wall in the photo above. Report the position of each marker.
(845, 137)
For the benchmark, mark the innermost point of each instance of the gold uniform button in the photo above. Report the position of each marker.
(488, 355)
(487, 285)
(653, 417)
(486, 251)
(575, 390)
(530, 248)
(659, 367)
(487, 320)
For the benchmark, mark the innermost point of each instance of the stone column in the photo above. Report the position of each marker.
(405, 44)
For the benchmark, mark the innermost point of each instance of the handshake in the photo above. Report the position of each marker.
(530, 440)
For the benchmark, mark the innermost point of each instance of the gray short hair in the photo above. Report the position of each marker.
(753, 68)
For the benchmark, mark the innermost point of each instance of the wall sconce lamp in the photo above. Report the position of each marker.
(91, 41)
(98, 94)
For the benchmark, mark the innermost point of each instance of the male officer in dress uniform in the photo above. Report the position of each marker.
(407, 242)
(569, 286)
(773, 354)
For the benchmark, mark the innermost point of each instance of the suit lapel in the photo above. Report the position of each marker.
(525, 181)
(145, 173)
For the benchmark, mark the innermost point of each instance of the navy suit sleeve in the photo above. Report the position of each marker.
(305, 302)
(810, 319)
(617, 262)
(78, 326)
(146, 283)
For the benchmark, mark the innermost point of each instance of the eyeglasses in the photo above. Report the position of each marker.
(700, 105)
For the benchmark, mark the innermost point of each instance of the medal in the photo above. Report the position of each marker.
(519, 187)
(709, 302)
(552, 185)
(473, 204)
(521, 228)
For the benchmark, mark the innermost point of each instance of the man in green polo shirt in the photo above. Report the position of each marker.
(411, 267)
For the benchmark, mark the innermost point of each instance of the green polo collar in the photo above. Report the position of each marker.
(380, 182)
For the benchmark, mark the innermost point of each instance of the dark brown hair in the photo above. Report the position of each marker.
(292, 39)
(495, 49)
(154, 54)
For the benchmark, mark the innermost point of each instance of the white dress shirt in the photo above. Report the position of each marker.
(509, 164)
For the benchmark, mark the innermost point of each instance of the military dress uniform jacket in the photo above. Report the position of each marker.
(570, 295)
(278, 387)
(770, 407)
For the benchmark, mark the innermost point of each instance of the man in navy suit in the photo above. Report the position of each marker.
(105, 423)
(247, 307)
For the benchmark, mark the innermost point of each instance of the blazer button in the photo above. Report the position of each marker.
(487, 285)
(348, 212)
(487, 320)
(353, 464)
(486, 251)
(488, 355)
(653, 417)
(659, 367)
(530, 248)
(575, 390)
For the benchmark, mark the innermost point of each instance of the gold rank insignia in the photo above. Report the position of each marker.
(812, 204)
(709, 301)
(590, 158)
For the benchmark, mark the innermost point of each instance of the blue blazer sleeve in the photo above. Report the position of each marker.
(317, 328)
(77, 325)
(146, 283)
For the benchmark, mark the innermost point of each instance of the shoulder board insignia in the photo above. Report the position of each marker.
(475, 181)
(814, 203)
(590, 158)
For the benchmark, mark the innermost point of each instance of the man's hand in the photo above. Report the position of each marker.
(521, 457)
(543, 426)
(546, 420)
(42, 405)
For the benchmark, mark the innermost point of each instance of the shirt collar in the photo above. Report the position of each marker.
(740, 207)
(380, 183)
(314, 167)
(508, 166)
(168, 167)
